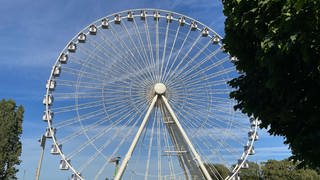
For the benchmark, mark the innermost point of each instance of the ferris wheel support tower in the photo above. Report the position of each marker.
(181, 140)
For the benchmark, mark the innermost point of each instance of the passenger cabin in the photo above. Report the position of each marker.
(234, 59)
(63, 164)
(117, 19)
(156, 15)
(193, 26)
(76, 176)
(215, 39)
(72, 47)
(63, 58)
(48, 99)
(55, 149)
(51, 84)
(47, 116)
(82, 38)
(245, 164)
(253, 136)
(205, 32)
(50, 132)
(143, 15)
(93, 30)
(105, 23)
(254, 122)
(56, 71)
(248, 150)
(169, 18)
(182, 21)
(130, 16)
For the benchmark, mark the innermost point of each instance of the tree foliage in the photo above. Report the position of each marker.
(11, 118)
(285, 169)
(277, 43)
(270, 170)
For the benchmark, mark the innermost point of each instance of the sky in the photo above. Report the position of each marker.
(32, 34)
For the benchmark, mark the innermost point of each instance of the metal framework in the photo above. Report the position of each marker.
(160, 90)
(147, 87)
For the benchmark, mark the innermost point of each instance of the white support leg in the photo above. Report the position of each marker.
(196, 155)
(42, 145)
(135, 141)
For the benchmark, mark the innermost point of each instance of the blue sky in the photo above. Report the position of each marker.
(32, 33)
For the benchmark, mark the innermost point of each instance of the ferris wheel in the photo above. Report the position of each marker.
(143, 94)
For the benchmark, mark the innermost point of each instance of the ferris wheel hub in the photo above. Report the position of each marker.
(160, 88)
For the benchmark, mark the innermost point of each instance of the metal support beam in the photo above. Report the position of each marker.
(193, 150)
(135, 140)
(42, 145)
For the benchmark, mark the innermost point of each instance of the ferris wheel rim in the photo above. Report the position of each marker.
(111, 20)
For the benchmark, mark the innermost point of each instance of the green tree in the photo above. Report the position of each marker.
(217, 171)
(252, 173)
(11, 118)
(277, 43)
(285, 169)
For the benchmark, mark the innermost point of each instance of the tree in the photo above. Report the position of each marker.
(285, 169)
(11, 118)
(217, 171)
(277, 43)
(252, 173)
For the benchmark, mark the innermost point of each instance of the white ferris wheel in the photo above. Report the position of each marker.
(143, 94)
